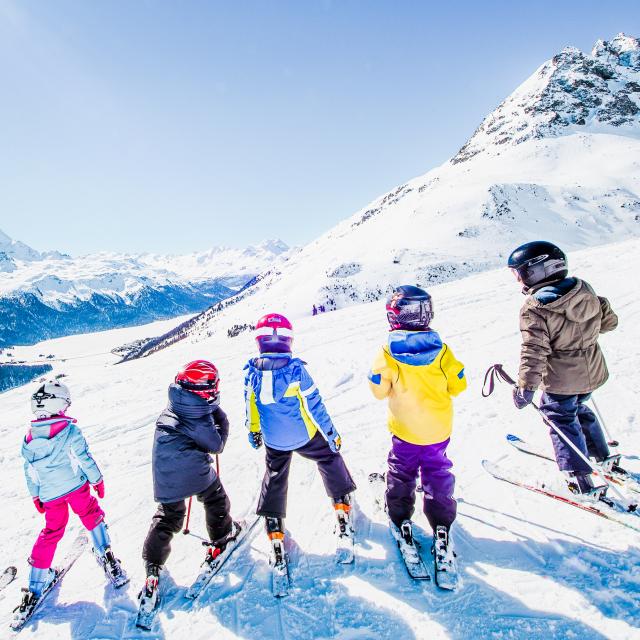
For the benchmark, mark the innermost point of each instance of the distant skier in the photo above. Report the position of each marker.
(314, 311)
(418, 374)
(60, 471)
(560, 322)
(285, 410)
(192, 427)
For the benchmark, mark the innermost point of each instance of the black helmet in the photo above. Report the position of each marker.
(537, 262)
(409, 308)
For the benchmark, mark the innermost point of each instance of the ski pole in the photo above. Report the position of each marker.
(498, 371)
(610, 441)
(186, 527)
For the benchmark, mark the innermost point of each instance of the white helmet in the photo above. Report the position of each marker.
(50, 399)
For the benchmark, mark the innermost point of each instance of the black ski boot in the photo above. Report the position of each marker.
(216, 547)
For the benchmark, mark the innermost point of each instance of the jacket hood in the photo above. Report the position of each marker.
(44, 437)
(414, 347)
(270, 375)
(48, 428)
(570, 297)
(189, 405)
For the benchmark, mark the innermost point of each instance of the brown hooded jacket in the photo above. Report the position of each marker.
(560, 352)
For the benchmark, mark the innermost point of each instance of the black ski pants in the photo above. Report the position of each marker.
(335, 475)
(169, 518)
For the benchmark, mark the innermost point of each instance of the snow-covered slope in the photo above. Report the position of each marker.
(44, 295)
(531, 568)
(533, 170)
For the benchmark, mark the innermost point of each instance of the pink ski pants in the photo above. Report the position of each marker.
(56, 515)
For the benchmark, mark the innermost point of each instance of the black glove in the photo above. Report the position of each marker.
(255, 439)
(522, 397)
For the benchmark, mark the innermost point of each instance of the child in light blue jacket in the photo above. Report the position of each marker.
(59, 471)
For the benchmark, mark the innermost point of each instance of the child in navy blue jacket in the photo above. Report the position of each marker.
(188, 431)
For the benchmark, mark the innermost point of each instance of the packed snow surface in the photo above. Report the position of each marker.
(530, 567)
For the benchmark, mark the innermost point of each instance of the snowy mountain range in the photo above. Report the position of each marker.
(558, 159)
(44, 295)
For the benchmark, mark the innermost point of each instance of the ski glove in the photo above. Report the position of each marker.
(38, 504)
(522, 397)
(255, 439)
(334, 440)
(98, 487)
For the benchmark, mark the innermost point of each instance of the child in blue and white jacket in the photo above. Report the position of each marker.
(284, 409)
(59, 471)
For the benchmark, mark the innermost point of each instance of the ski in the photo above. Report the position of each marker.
(409, 551)
(30, 604)
(444, 560)
(345, 538)
(7, 577)
(623, 479)
(279, 562)
(514, 478)
(209, 569)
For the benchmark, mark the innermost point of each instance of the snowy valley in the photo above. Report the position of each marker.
(45, 295)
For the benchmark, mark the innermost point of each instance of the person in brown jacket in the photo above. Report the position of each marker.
(560, 322)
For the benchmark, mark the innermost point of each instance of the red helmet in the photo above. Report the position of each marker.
(274, 334)
(200, 377)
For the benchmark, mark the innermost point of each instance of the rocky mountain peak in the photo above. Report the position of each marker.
(568, 92)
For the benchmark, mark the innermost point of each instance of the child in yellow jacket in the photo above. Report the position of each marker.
(418, 374)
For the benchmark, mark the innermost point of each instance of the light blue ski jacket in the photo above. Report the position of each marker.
(283, 402)
(57, 459)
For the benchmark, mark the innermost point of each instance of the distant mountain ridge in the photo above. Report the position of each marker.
(45, 295)
(558, 159)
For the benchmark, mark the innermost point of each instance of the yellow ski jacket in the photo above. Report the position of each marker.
(419, 374)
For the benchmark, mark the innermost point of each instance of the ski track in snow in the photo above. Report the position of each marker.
(530, 567)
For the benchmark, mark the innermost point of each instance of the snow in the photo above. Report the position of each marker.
(577, 190)
(530, 567)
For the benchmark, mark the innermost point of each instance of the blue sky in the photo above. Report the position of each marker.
(174, 126)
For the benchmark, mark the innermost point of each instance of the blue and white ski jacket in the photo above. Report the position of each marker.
(283, 402)
(57, 458)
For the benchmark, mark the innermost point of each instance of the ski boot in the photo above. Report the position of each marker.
(105, 558)
(342, 507)
(344, 530)
(149, 596)
(217, 547)
(278, 557)
(581, 484)
(40, 581)
(404, 537)
(444, 558)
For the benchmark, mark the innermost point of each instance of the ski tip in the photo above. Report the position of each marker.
(513, 438)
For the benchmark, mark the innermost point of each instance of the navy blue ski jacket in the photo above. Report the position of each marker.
(188, 431)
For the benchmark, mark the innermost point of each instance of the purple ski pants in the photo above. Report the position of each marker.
(406, 461)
